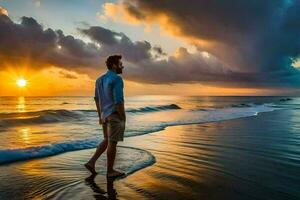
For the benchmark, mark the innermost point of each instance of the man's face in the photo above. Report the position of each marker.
(119, 67)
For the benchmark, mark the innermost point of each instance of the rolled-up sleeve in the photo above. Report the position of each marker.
(118, 90)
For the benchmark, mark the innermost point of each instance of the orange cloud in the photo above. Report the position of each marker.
(124, 13)
(3, 11)
(117, 12)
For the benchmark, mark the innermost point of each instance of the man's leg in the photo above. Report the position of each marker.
(111, 155)
(100, 149)
(115, 131)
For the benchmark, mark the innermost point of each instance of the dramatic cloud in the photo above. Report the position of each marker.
(29, 42)
(261, 38)
(45, 47)
(112, 42)
(239, 43)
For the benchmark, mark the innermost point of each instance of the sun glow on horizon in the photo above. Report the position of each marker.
(21, 82)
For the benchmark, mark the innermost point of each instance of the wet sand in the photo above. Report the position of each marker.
(249, 158)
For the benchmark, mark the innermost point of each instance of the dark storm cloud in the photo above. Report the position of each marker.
(113, 42)
(256, 37)
(197, 67)
(158, 52)
(102, 35)
(253, 44)
(143, 66)
(46, 47)
(43, 47)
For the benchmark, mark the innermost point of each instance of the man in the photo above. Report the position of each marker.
(109, 101)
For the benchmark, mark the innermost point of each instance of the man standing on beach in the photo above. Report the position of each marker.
(109, 101)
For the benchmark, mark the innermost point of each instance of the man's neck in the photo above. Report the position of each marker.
(112, 70)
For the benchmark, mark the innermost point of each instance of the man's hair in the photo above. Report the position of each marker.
(114, 59)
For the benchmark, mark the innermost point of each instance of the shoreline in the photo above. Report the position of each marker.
(192, 161)
(58, 148)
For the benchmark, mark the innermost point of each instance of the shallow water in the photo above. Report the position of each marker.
(249, 158)
(253, 157)
(48, 178)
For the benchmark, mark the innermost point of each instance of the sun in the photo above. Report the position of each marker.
(21, 82)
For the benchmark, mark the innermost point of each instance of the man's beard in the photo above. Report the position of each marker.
(119, 71)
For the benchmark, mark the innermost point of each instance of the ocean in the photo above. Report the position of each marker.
(175, 147)
(32, 127)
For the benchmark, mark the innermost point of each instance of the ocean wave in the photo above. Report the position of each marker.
(198, 116)
(285, 99)
(145, 109)
(239, 105)
(224, 114)
(183, 117)
(37, 117)
(154, 108)
(13, 155)
(141, 160)
(61, 115)
(243, 105)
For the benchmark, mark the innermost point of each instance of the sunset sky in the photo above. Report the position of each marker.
(171, 47)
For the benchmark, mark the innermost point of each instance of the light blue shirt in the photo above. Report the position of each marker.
(109, 92)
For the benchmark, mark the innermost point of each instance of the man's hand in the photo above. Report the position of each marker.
(98, 111)
(123, 118)
(121, 111)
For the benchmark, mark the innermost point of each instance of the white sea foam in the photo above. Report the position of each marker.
(12, 155)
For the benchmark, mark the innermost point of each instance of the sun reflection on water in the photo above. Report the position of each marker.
(25, 134)
(21, 106)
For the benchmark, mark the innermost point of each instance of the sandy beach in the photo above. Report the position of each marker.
(182, 100)
(236, 159)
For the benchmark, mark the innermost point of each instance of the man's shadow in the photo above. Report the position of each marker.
(101, 194)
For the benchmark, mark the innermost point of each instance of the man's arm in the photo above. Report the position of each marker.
(121, 110)
(119, 97)
(98, 109)
(96, 98)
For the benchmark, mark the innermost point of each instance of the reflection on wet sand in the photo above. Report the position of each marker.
(64, 176)
(90, 181)
(100, 193)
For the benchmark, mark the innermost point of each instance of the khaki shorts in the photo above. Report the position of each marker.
(115, 128)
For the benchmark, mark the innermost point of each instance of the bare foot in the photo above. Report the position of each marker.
(115, 174)
(90, 168)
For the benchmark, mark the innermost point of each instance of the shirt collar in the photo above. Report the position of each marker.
(111, 71)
